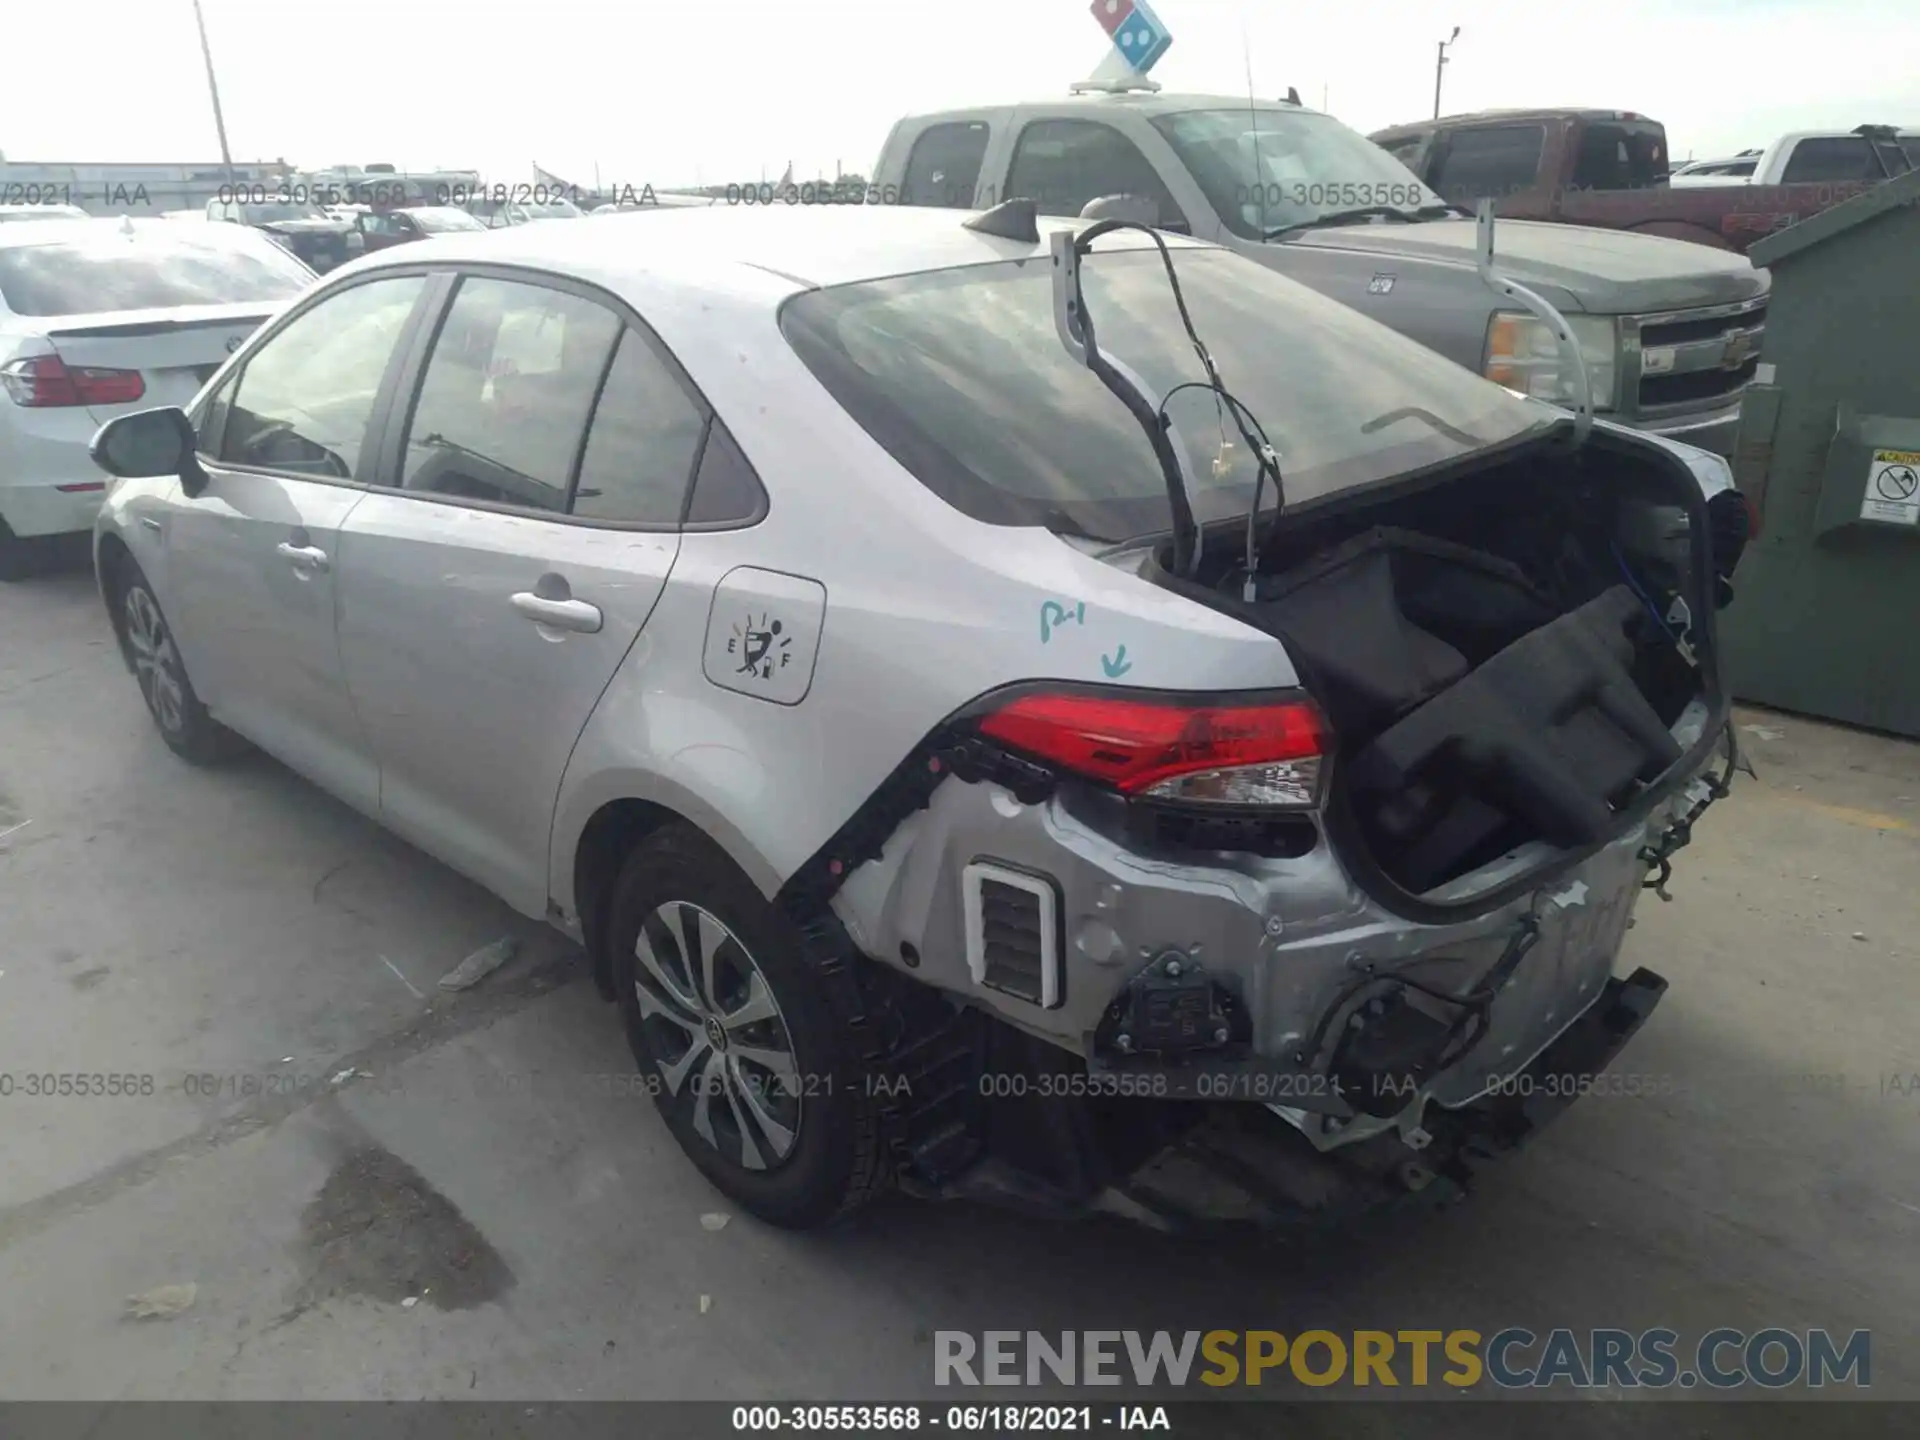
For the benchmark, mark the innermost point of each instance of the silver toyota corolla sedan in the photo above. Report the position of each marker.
(1028, 707)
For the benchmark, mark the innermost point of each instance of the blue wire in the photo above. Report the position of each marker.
(1634, 585)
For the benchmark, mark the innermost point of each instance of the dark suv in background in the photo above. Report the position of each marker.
(317, 238)
(380, 229)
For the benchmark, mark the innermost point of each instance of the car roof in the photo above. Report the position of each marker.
(810, 245)
(55, 232)
(1142, 102)
(1474, 117)
(1793, 136)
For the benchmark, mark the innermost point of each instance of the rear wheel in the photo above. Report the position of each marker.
(183, 722)
(755, 1077)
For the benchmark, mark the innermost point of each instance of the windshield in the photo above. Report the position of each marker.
(144, 272)
(1265, 169)
(438, 220)
(961, 376)
(273, 212)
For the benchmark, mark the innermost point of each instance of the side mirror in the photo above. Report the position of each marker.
(148, 443)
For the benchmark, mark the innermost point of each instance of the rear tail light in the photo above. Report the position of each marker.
(46, 381)
(1241, 755)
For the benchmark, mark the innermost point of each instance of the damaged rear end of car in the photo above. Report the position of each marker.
(1281, 954)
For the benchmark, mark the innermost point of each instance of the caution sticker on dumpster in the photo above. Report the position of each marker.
(1893, 488)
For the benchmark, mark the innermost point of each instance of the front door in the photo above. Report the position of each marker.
(489, 595)
(252, 558)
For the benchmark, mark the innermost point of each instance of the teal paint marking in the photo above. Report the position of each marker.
(1053, 615)
(1116, 664)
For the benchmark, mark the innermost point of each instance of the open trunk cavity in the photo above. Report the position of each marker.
(1502, 654)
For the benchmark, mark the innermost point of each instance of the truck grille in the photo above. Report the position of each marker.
(1693, 359)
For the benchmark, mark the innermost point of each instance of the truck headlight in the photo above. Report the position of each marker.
(1523, 355)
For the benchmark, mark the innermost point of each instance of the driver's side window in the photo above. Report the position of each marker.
(304, 401)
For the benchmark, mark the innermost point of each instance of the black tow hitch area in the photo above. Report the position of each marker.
(1385, 1047)
(1387, 1051)
(1170, 1010)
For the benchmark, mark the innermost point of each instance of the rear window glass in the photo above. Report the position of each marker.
(944, 166)
(1836, 157)
(144, 271)
(961, 376)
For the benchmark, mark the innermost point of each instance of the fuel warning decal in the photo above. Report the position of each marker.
(763, 634)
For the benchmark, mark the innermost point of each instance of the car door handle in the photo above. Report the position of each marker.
(305, 557)
(560, 614)
(151, 523)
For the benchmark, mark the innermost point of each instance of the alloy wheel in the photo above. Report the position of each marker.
(716, 1030)
(156, 664)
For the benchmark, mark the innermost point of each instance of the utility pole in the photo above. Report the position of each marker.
(213, 89)
(1439, 66)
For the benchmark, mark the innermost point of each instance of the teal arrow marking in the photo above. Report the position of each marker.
(1116, 664)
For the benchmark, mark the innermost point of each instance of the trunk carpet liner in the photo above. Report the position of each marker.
(1516, 726)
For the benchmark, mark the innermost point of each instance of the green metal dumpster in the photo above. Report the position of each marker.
(1827, 619)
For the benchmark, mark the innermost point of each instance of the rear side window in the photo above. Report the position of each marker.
(1835, 157)
(1062, 164)
(646, 434)
(304, 399)
(1620, 157)
(726, 492)
(943, 168)
(146, 270)
(502, 410)
(1491, 160)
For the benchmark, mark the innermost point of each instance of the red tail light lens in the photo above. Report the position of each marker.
(1216, 755)
(46, 381)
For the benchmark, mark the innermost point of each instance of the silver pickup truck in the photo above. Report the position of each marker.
(1671, 331)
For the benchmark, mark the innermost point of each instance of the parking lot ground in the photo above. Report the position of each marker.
(239, 927)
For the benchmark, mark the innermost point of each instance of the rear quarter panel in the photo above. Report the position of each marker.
(925, 610)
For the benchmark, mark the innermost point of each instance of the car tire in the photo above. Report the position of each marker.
(756, 1076)
(174, 705)
(16, 555)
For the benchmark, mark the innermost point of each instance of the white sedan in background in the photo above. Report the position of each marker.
(99, 317)
(10, 213)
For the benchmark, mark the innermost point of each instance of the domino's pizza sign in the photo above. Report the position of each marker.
(1138, 34)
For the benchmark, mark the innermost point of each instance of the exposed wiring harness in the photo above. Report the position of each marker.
(1664, 625)
(1469, 1027)
(1261, 449)
(1680, 833)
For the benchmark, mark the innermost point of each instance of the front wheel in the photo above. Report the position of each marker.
(732, 1030)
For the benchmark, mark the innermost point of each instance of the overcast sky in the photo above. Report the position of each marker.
(717, 90)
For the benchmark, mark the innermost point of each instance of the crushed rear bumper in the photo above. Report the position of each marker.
(1243, 1165)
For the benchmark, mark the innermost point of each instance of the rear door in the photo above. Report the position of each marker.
(528, 516)
(251, 560)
